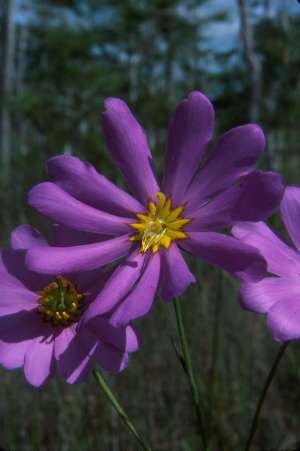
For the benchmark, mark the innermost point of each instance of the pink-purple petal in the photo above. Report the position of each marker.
(281, 259)
(190, 130)
(234, 156)
(176, 276)
(110, 359)
(128, 145)
(260, 196)
(26, 236)
(55, 203)
(123, 339)
(118, 285)
(290, 212)
(261, 296)
(284, 319)
(82, 181)
(239, 259)
(39, 363)
(12, 354)
(73, 360)
(139, 301)
(60, 260)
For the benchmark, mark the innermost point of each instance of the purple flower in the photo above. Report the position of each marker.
(278, 296)
(41, 320)
(147, 233)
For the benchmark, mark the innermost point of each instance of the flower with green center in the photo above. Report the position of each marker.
(60, 302)
(162, 225)
(43, 329)
(197, 196)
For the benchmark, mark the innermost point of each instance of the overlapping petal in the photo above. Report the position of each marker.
(39, 362)
(234, 156)
(190, 130)
(82, 181)
(281, 259)
(176, 276)
(26, 236)
(239, 259)
(59, 260)
(55, 203)
(129, 148)
(284, 319)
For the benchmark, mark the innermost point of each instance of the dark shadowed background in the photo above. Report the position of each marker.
(59, 60)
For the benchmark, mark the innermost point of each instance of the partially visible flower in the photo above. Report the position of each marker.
(41, 320)
(278, 295)
(147, 233)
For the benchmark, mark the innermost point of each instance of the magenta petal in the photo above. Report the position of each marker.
(26, 236)
(12, 355)
(15, 299)
(123, 339)
(129, 148)
(139, 301)
(284, 319)
(290, 212)
(82, 181)
(189, 132)
(60, 260)
(261, 296)
(50, 200)
(239, 259)
(118, 285)
(215, 213)
(110, 359)
(281, 259)
(176, 276)
(73, 360)
(234, 156)
(260, 196)
(39, 364)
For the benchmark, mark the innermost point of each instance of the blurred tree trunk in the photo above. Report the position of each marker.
(7, 80)
(251, 60)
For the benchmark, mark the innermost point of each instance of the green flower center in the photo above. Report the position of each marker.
(60, 302)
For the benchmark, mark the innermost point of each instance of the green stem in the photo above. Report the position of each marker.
(263, 395)
(110, 396)
(189, 370)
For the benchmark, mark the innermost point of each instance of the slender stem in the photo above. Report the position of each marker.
(110, 396)
(189, 370)
(263, 395)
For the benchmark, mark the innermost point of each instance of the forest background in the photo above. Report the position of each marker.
(59, 60)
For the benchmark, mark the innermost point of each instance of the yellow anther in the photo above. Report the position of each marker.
(160, 226)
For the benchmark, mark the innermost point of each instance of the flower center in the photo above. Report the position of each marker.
(160, 226)
(60, 302)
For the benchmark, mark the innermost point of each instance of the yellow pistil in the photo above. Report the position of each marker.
(160, 226)
(60, 302)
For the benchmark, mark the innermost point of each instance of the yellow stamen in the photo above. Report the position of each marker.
(160, 225)
(59, 302)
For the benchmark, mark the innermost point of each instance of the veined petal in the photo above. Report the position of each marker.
(118, 285)
(82, 181)
(239, 259)
(234, 156)
(261, 296)
(176, 276)
(189, 132)
(129, 148)
(123, 338)
(62, 260)
(50, 200)
(281, 259)
(139, 301)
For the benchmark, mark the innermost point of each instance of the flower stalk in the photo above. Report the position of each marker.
(120, 411)
(189, 371)
(264, 393)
